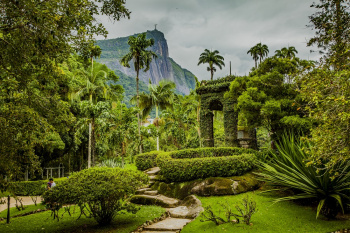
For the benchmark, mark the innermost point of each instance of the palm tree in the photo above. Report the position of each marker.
(286, 52)
(160, 96)
(280, 53)
(291, 51)
(91, 83)
(262, 51)
(254, 53)
(213, 59)
(142, 59)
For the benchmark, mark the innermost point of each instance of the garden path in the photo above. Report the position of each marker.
(26, 201)
(179, 213)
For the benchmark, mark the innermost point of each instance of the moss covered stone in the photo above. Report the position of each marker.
(213, 186)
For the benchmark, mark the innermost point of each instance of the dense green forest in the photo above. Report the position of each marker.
(54, 88)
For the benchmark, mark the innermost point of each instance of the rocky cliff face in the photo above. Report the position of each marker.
(161, 68)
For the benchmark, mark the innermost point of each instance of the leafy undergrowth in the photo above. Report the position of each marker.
(43, 222)
(14, 211)
(130, 166)
(279, 217)
(4, 194)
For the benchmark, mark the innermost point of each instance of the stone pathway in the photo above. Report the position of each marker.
(179, 213)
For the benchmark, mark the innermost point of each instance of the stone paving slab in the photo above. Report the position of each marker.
(152, 177)
(169, 224)
(151, 192)
(159, 231)
(153, 171)
(143, 190)
(179, 212)
(160, 200)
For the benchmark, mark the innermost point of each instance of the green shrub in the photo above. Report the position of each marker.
(146, 160)
(103, 190)
(210, 152)
(288, 169)
(30, 188)
(199, 163)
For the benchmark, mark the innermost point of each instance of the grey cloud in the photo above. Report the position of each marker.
(230, 26)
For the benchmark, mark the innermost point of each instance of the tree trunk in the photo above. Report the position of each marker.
(199, 128)
(338, 39)
(212, 74)
(157, 129)
(93, 142)
(138, 106)
(89, 152)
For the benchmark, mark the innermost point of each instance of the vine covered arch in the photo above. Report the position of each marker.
(212, 98)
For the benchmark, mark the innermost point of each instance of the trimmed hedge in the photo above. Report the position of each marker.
(210, 152)
(146, 160)
(30, 188)
(185, 165)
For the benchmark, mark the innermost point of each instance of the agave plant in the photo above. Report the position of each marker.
(112, 163)
(288, 169)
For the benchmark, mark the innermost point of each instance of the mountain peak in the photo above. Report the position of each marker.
(161, 68)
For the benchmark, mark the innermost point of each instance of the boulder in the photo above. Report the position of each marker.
(213, 186)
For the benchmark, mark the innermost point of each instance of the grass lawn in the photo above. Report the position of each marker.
(15, 212)
(43, 222)
(279, 217)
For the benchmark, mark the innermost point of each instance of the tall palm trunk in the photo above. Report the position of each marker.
(90, 124)
(157, 128)
(89, 150)
(93, 142)
(138, 105)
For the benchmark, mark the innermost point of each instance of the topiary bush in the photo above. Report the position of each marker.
(185, 165)
(104, 191)
(146, 160)
(211, 152)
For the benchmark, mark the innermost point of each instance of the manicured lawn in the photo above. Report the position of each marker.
(15, 212)
(43, 222)
(279, 217)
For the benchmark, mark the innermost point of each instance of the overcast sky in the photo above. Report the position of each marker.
(230, 26)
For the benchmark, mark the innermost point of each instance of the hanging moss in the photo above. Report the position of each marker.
(212, 98)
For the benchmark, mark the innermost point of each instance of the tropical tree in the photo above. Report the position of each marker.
(142, 59)
(92, 85)
(262, 51)
(289, 52)
(35, 37)
(160, 96)
(213, 59)
(258, 52)
(254, 53)
(332, 25)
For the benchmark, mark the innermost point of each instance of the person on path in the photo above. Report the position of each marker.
(51, 184)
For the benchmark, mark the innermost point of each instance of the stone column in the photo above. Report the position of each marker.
(206, 126)
(230, 124)
(253, 142)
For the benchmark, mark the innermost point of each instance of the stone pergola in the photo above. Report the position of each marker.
(212, 98)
